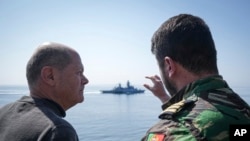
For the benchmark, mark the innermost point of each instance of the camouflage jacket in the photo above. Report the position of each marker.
(203, 110)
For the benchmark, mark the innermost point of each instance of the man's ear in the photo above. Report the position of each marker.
(47, 75)
(170, 66)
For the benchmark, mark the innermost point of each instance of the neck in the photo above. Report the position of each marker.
(43, 92)
(185, 77)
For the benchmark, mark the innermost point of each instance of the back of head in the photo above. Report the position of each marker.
(47, 54)
(187, 40)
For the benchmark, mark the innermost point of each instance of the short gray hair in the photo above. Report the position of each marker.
(47, 54)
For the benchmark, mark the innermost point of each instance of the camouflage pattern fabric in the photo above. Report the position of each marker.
(203, 110)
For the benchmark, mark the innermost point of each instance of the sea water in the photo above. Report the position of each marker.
(108, 117)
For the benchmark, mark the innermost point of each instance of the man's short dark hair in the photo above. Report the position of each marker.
(187, 40)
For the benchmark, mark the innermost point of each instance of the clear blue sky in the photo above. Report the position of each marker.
(113, 36)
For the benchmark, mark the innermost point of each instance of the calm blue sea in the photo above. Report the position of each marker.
(108, 117)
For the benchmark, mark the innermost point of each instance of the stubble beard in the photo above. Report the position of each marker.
(169, 85)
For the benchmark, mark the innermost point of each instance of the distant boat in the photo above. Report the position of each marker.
(124, 90)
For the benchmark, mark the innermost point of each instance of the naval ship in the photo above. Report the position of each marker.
(123, 90)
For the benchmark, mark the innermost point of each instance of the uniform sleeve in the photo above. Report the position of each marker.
(166, 130)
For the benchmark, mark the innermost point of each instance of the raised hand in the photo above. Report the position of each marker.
(157, 89)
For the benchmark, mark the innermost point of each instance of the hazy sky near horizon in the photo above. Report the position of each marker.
(113, 37)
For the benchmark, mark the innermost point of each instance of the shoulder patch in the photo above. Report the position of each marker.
(175, 108)
(155, 137)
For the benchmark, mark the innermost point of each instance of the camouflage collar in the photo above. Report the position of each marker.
(196, 87)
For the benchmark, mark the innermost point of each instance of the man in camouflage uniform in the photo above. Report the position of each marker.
(202, 105)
